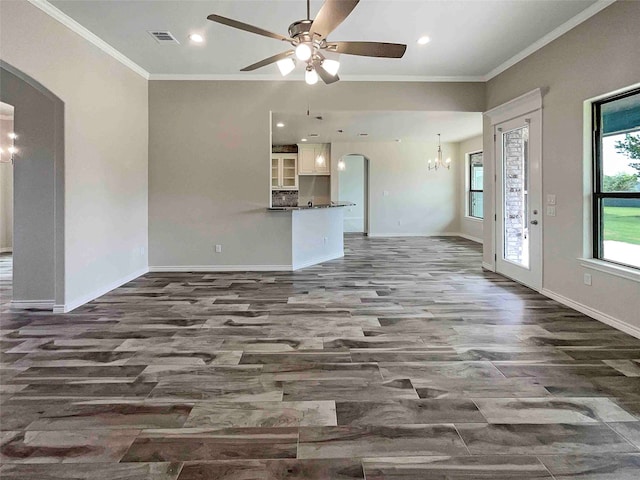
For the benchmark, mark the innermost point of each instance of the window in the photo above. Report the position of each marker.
(616, 179)
(474, 207)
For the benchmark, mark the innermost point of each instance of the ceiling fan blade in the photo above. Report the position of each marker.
(331, 14)
(268, 61)
(246, 27)
(323, 74)
(368, 49)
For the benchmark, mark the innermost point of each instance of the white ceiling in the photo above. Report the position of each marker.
(470, 38)
(380, 126)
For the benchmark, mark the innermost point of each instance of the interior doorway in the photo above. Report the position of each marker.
(353, 186)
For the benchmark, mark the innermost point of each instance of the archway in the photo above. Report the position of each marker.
(38, 191)
(353, 186)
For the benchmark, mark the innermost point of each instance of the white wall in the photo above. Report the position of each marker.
(106, 147)
(418, 201)
(469, 226)
(316, 235)
(351, 188)
(209, 166)
(597, 57)
(6, 187)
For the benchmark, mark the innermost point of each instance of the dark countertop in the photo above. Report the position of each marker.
(315, 206)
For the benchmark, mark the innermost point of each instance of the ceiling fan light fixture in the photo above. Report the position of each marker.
(286, 66)
(311, 76)
(303, 52)
(331, 66)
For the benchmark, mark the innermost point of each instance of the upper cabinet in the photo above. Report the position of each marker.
(284, 175)
(314, 159)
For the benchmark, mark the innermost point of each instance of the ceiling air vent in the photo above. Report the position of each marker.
(163, 37)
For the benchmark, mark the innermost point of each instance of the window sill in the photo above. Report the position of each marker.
(474, 219)
(611, 268)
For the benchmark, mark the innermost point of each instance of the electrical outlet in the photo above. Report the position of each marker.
(587, 279)
(142, 250)
(218, 248)
(325, 240)
(551, 211)
(399, 222)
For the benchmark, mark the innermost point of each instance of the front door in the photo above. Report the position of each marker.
(518, 199)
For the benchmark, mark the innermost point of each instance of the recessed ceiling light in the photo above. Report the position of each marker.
(423, 40)
(303, 139)
(279, 124)
(196, 38)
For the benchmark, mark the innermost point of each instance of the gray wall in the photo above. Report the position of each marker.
(209, 150)
(316, 187)
(105, 142)
(6, 187)
(34, 190)
(597, 57)
(419, 202)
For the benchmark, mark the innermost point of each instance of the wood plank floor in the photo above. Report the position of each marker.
(404, 360)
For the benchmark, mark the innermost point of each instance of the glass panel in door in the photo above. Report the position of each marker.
(274, 172)
(515, 150)
(288, 172)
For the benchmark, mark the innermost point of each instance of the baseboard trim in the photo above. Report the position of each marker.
(220, 268)
(472, 238)
(437, 234)
(32, 304)
(75, 303)
(6, 250)
(488, 266)
(593, 313)
(316, 261)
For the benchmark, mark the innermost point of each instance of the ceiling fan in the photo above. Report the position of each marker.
(309, 39)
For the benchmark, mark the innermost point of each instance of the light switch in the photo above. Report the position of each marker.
(385, 193)
(551, 211)
(551, 199)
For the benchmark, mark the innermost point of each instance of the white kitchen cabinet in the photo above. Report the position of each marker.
(284, 171)
(314, 159)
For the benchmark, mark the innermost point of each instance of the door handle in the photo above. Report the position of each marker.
(534, 222)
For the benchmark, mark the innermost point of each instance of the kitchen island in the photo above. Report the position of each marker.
(317, 232)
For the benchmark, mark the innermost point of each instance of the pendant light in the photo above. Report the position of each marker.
(439, 162)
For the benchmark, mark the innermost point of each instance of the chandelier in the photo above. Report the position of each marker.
(439, 162)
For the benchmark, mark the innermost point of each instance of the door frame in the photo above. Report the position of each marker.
(526, 104)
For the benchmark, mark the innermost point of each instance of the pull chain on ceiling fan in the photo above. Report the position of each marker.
(310, 45)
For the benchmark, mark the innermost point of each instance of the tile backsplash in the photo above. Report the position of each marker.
(284, 198)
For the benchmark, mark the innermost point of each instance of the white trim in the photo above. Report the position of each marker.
(586, 14)
(35, 304)
(593, 313)
(473, 219)
(437, 234)
(517, 107)
(6, 250)
(75, 303)
(220, 268)
(89, 36)
(470, 237)
(488, 266)
(293, 78)
(622, 271)
(317, 260)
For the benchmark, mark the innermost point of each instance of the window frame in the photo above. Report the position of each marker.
(597, 195)
(470, 190)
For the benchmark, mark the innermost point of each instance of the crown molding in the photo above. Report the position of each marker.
(91, 37)
(349, 78)
(550, 37)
